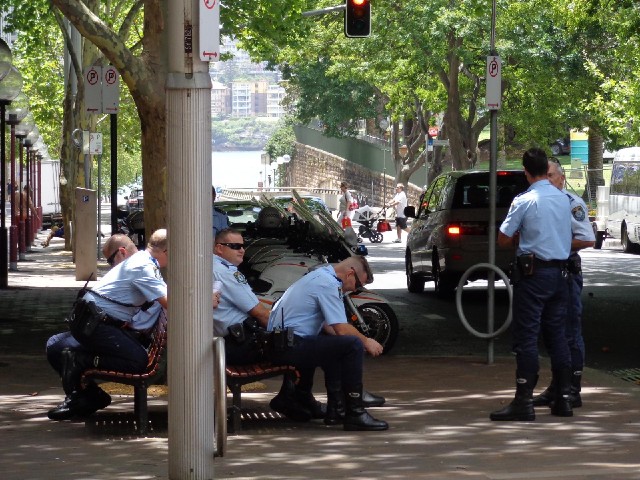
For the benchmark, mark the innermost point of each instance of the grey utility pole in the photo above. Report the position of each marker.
(190, 371)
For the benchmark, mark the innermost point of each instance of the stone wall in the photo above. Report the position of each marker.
(316, 168)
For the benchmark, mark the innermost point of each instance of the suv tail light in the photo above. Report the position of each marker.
(466, 228)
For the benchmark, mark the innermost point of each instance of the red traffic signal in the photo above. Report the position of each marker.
(357, 18)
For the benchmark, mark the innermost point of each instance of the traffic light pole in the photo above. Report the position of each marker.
(324, 11)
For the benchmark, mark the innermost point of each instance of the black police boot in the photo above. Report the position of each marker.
(308, 401)
(98, 399)
(335, 404)
(521, 407)
(356, 418)
(371, 400)
(73, 364)
(285, 403)
(561, 406)
(574, 397)
(546, 398)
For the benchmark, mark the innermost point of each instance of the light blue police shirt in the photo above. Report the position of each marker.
(542, 215)
(310, 302)
(220, 221)
(134, 281)
(581, 227)
(236, 297)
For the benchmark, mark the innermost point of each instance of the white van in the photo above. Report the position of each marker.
(618, 214)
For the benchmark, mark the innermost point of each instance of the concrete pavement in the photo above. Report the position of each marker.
(437, 407)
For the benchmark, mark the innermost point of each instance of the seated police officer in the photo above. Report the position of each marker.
(116, 249)
(315, 302)
(237, 302)
(105, 327)
(236, 317)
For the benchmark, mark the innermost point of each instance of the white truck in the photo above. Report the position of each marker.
(618, 213)
(50, 193)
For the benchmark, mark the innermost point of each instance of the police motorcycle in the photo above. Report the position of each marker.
(281, 246)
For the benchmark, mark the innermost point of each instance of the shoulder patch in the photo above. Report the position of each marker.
(578, 213)
(239, 277)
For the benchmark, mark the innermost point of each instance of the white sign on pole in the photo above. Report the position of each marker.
(93, 90)
(209, 15)
(494, 83)
(440, 143)
(95, 144)
(110, 89)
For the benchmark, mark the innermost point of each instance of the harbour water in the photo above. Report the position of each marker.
(237, 169)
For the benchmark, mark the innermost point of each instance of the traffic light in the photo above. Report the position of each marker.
(357, 18)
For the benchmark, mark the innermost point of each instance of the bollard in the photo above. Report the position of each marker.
(22, 240)
(13, 248)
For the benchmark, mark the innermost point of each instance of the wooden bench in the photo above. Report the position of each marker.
(156, 368)
(240, 375)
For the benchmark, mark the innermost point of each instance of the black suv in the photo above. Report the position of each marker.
(449, 233)
(135, 200)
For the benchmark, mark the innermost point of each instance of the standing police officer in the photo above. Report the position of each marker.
(539, 224)
(583, 237)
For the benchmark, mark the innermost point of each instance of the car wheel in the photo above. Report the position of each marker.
(599, 240)
(627, 245)
(444, 286)
(556, 150)
(415, 283)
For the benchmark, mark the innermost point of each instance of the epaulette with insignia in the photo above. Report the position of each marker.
(240, 278)
(578, 213)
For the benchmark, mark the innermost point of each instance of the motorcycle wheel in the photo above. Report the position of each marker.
(382, 323)
(376, 238)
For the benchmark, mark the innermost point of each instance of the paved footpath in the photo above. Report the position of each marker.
(437, 407)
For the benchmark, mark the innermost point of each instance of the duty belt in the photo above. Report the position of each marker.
(538, 262)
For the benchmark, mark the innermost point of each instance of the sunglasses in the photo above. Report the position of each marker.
(112, 257)
(232, 246)
(359, 284)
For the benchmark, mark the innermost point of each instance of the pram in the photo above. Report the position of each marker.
(367, 229)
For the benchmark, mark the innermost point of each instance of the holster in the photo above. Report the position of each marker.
(525, 264)
(236, 333)
(574, 264)
(282, 340)
(84, 318)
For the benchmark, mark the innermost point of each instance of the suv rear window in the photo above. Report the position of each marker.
(472, 191)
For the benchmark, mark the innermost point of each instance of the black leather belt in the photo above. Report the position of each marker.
(115, 322)
(538, 262)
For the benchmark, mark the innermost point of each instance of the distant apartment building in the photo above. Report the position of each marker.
(220, 100)
(242, 88)
(275, 95)
(9, 38)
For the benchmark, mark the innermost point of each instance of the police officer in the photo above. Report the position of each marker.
(583, 237)
(116, 343)
(539, 224)
(116, 249)
(233, 321)
(315, 302)
(237, 300)
(220, 217)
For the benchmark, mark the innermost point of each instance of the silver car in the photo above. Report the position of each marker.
(449, 233)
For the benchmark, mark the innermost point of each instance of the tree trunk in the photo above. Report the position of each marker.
(145, 77)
